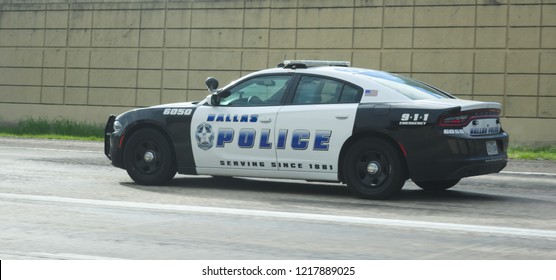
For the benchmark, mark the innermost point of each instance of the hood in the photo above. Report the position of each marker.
(178, 105)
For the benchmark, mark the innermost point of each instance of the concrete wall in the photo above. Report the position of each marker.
(86, 59)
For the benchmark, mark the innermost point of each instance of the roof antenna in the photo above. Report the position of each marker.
(281, 64)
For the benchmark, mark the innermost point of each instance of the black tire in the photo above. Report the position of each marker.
(436, 186)
(148, 158)
(374, 169)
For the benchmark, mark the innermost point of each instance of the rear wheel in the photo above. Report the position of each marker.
(374, 169)
(436, 185)
(148, 158)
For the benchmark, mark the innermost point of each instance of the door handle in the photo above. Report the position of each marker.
(342, 117)
(267, 120)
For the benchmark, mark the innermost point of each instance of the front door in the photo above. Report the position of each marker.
(237, 136)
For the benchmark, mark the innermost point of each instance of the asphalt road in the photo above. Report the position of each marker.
(63, 200)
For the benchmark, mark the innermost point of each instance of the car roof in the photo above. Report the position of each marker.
(378, 86)
(358, 76)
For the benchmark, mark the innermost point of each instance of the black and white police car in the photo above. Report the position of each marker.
(318, 121)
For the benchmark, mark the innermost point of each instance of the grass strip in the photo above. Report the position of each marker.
(532, 153)
(54, 129)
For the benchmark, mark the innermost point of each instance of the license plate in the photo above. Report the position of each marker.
(492, 148)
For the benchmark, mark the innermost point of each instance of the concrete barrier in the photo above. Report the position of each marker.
(84, 59)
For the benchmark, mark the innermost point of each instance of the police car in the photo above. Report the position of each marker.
(318, 121)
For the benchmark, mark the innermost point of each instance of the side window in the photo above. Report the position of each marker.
(317, 90)
(257, 91)
(350, 94)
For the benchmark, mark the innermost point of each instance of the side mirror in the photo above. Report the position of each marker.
(212, 84)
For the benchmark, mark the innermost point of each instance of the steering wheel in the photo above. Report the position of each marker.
(254, 100)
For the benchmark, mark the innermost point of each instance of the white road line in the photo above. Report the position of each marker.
(528, 173)
(55, 256)
(51, 149)
(70, 256)
(506, 231)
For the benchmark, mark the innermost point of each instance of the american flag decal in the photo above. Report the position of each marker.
(371, 92)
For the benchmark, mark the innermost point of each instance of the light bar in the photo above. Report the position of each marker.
(315, 63)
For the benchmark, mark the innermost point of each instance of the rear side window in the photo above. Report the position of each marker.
(318, 90)
(411, 88)
(350, 94)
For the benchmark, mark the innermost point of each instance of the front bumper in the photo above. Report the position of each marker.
(112, 142)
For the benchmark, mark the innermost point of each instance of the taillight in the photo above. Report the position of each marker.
(462, 119)
(457, 120)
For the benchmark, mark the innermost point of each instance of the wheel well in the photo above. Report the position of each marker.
(137, 127)
(349, 142)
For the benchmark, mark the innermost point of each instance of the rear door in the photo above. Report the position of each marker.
(311, 130)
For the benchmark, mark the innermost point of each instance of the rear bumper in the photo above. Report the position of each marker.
(459, 158)
(471, 167)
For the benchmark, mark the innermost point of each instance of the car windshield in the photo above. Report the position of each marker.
(411, 88)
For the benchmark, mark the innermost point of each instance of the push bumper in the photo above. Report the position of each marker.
(108, 130)
(111, 143)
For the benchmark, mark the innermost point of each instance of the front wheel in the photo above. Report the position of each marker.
(148, 158)
(374, 169)
(436, 185)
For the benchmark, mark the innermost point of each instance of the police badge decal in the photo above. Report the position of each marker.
(204, 136)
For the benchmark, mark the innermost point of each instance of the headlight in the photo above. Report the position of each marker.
(117, 126)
